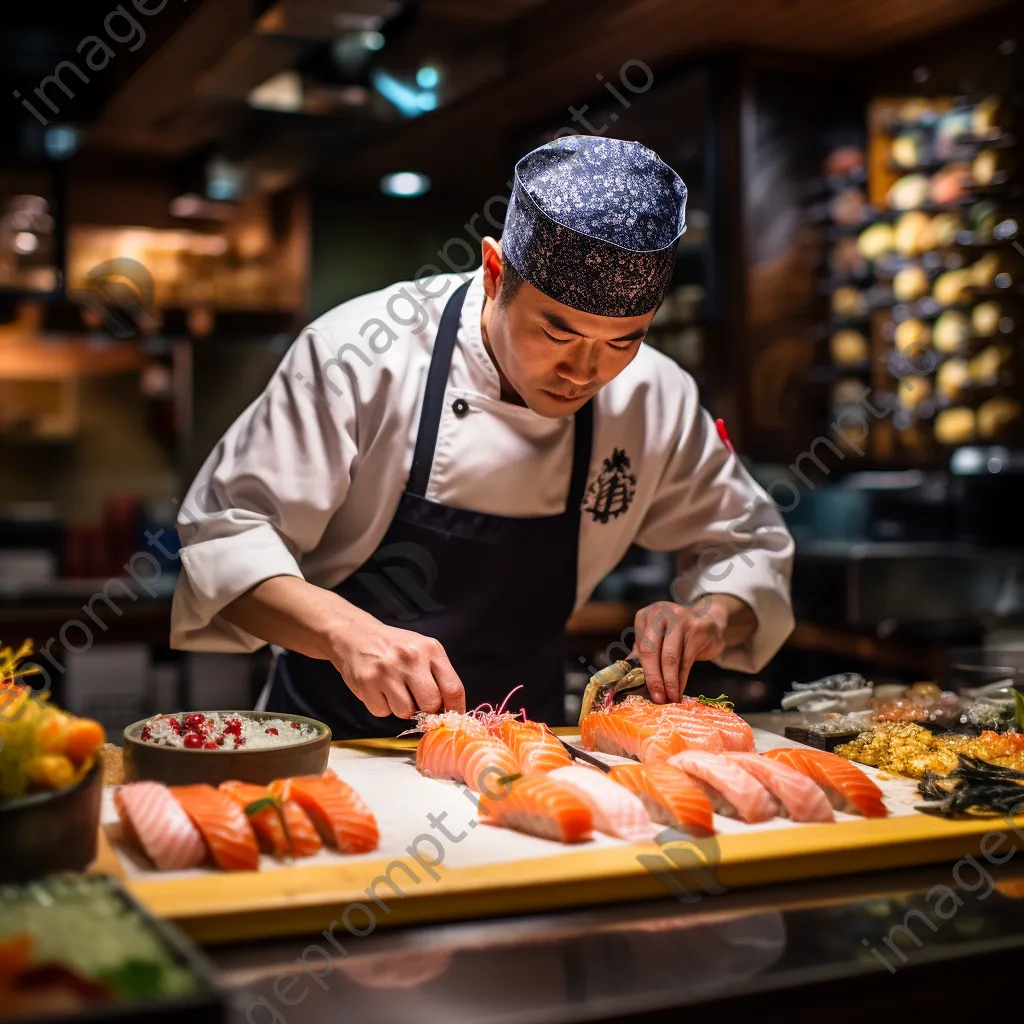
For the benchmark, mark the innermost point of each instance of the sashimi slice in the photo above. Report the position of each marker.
(846, 786)
(699, 732)
(156, 821)
(301, 839)
(616, 810)
(534, 746)
(799, 797)
(539, 806)
(669, 795)
(483, 762)
(735, 733)
(732, 791)
(338, 811)
(435, 754)
(224, 827)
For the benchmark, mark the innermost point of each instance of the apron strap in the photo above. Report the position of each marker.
(433, 404)
(433, 396)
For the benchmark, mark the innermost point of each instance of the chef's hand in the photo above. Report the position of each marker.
(398, 672)
(671, 637)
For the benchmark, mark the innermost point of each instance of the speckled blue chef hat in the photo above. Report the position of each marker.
(594, 223)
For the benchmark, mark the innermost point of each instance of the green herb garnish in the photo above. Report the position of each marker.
(277, 804)
(1018, 717)
(721, 701)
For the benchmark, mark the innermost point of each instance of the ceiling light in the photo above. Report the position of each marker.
(427, 100)
(60, 141)
(25, 243)
(372, 40)
(225, 181)
(280, 92)
(409, 100)
(427, 77)
(189, 205)
(405, 184)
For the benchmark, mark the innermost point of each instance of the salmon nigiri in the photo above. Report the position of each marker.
(616, 810)
(732, 791)
(630, 731)
(296, 837)
(670, 796)
(151, 816)
(534, 746)
(223, 825)
(845, 785)
(799, 797)
(539, 806)
(458, 747)
(338, 811)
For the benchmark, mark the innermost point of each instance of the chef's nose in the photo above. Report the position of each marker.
(579, 369)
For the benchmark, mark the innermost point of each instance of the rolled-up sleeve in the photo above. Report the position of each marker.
(263, 497)
(727, 533)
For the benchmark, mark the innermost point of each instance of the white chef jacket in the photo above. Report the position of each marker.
(307, 479)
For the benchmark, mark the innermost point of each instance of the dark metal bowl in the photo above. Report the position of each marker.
(52, 831)
(179, 766)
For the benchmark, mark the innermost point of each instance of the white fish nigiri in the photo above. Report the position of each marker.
(616, 811)
(732, 791)
(156, 820)
(801, 798)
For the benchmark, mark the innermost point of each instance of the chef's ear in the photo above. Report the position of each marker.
(491, 250)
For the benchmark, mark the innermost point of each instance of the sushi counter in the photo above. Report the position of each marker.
(488, 867)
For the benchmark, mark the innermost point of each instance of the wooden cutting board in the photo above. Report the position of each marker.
(498, 872)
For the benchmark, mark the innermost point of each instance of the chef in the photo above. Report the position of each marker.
(440, 472)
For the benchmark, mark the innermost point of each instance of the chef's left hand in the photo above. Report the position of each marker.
(671, 637)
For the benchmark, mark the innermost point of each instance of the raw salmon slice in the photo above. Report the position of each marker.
(537, 805)
(799, 797)
(731, 790)
(456, 746)
(845, 785)
(224, 827)
(301, 839)
(338, 811)
(669, 795)
(534, 746)
(156, 821)
(734, 732)
(616, 810)
(699, 731)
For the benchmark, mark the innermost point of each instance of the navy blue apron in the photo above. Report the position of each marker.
(495, 591)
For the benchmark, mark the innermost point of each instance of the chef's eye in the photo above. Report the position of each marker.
(560, 341)
(622, 346)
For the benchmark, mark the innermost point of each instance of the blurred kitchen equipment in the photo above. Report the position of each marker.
(987, 484)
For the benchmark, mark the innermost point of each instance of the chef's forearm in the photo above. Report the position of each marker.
(735, 618)
(292, 613)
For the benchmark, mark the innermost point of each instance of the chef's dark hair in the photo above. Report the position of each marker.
(511, 282)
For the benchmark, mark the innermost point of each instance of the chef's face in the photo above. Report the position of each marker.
(553, 356)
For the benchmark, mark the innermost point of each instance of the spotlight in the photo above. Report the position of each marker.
(406, 184)
(427, 77)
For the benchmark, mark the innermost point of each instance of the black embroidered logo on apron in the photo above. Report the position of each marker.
(613, 491)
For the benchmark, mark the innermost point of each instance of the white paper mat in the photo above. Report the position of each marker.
(402, 799)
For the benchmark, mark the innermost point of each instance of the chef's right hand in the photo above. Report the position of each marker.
(399, 672)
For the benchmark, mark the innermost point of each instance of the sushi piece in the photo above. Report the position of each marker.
(846, 786)
(156, 821)
(669, 795)
(336, 809)
(539, 806)
(616, 810)
(223, 825)
(732, 791)
(798, 797)
(301, 838)
(734, 732)
(700, 731)
(534, 746)
(630, 730)
(459, 747)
